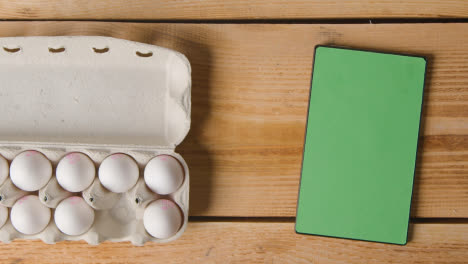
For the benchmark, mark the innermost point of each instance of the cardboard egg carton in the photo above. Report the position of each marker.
(98, 96)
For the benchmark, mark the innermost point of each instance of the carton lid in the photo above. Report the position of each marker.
(93, 90)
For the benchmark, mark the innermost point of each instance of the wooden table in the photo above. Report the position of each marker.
(251, 65)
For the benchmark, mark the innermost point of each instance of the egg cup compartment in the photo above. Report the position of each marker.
(98, 96)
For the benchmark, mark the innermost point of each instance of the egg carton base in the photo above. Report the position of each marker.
(123, 221)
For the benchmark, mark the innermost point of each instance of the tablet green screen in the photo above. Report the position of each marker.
(360, 146)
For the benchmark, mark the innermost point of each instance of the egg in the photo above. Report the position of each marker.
(3, 215)
(118, 173)
(29, 216)
(162, 218)
(75, 172)
(4, 169)
(30, 170)
(73, 216)
(164, 174)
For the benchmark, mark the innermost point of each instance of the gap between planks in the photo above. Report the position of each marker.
(299, 21)
(222, 219)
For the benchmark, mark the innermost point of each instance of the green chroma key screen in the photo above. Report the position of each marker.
(360, 146)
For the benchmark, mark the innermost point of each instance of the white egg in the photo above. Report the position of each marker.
(30, 170)
(75, 172)
(73, 216)
(164, 174)
(4, 169)
(3, 215)
(162, 218)
(29, 216)
(118, 173)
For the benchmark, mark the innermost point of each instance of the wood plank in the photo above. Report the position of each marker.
(230, 9)
(250, 91)
(230, 242)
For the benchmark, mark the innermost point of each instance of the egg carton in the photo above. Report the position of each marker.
(97, 96)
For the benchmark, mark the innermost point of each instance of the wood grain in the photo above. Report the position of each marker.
(230, 9)
(231, 242)
(250, 92)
